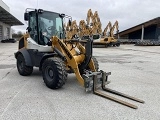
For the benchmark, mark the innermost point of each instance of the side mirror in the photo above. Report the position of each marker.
(29, 29)
(26, 16)
(70, 22)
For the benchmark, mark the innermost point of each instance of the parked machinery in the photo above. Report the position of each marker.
(93, 26)
(71, 30)
(107, 29)
(108, 38)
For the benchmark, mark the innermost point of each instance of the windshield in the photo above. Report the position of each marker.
(50, 24)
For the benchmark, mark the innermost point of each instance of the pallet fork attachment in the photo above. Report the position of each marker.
(100, 81)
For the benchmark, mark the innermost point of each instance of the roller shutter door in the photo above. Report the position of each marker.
(1, 33)
(8, 33)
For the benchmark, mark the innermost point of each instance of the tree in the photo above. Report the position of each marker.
(12, 31)
(17, 35)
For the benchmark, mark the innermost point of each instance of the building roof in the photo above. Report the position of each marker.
(138, 27)
(8, 18)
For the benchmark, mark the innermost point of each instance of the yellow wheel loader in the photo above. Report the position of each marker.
(45, 46)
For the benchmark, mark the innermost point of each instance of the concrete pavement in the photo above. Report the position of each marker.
(135, 71)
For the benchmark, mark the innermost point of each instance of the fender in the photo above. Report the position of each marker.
(26, 56)
(44, 57)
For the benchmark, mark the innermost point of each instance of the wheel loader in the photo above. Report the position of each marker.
(44, 46)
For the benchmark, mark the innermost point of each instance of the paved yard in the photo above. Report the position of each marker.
(135, 71)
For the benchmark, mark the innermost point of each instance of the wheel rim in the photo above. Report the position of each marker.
(20, 65)
(49, 73)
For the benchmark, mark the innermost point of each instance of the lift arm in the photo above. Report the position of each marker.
(78, 63)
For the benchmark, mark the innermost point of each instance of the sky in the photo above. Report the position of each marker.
(127, 12)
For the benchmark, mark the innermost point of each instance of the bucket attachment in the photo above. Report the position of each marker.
(97, 82)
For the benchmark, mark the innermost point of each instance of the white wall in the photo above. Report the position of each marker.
(5, 26)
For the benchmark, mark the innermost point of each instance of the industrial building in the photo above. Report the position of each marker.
(149, 30)
(6, 21)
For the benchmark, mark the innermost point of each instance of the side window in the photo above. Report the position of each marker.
(33, 27)
(58, 26)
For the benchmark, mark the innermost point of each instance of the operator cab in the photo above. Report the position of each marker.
(42, 25)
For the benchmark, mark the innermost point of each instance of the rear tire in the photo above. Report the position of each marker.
(54, 72)
(23, 69)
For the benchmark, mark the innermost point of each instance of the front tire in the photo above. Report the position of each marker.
(23, 69)
(54, 72)
(96, 64)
